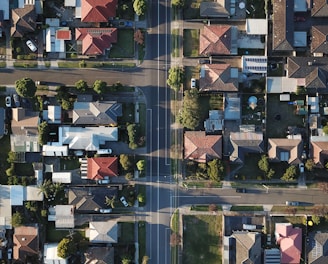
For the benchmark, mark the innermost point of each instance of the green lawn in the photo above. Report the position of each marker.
(175, 42)
(25, 64)
(142, 239)
(203, 208)
(277, 128)
(5, 148)
(70, 163)
(54, 235)
(124, 48)
(191, 42)
(127, 233)
(24, 169)
(202, 239)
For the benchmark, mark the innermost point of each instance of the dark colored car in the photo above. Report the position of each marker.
(240, 190)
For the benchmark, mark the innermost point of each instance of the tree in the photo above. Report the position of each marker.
(31, 206)
(270, 174)
(129, 176)
(175, 78)
(139, 7)
(141, 165)
(190, 114)
(12, 157)
(66, 247)
(81, 85)
(139, 37)
(215, 169)
(177, 3)
(43, 133)
(110, 201)
(45, 188)
(126, 259)
(99, 86)
(25, 87)
(316, 219)
(290, 174)
(325, 129)
(125, 162)
(133, 134)
(17, 219)
(264, 164)
(145, 260)
(309, 164)
(141, 198)
(67, 104)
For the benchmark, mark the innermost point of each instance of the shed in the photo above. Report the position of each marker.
(62, 177)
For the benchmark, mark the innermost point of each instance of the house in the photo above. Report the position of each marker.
(62, 215)
(282, 26)
(244, 143)
(319, 39)
(218, 40)
(247, 247)
(319, 8)
(290, 241)
(98, 10)
(90, 199)
(62, 177)
(220, 8)
(284, 149)
(95, 41)
(24, 127)
(218, 78)
(319, 150)
(99, 255)
(254, 64)
(96, 113)
(103, 232)
(318, 248)
(50, 254)
(23, 21)
(26, 242)
(99, 167)
(53, 115)
(201, 147)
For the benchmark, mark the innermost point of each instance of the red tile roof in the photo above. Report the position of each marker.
(201, 147)
(95, 40)
(26, 242)
(215, 40)
(63, 34)
(290, 241)
(100, 167)
(98, 10)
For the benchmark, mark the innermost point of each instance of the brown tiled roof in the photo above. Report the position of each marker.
(319, 153)
(201, 147)
(95, 40)
(99, 167)
(283, 25)
(23, 21)
(217, 77)
(316, 79)
(319, 8)
(293, 147)
(98, 10)
(215, 40)
(319, 39)
(26, 242)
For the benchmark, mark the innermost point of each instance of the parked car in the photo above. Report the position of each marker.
(124, 202)
(292, 203)
(16, 100)
(104, 151)
(301, 167)
(31, 46)
(240, 190)
(204, 61)
(105, 211)
(40, 83)
(193, 83)
(78, 153)
(9, 253)
(8, 101)
(105, 180)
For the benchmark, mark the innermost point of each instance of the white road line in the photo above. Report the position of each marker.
(150, 174)
(206, 196)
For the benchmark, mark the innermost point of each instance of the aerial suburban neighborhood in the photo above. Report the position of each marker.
(183, 131)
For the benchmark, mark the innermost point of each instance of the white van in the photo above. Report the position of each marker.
(104, 151)
(31, 46)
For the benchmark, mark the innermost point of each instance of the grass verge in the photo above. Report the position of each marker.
(247, 208)
(175, 42)
(190, 42)
(203, 208)
(142, 239)
(25, 64)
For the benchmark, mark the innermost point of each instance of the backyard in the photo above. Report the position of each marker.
(202, 239)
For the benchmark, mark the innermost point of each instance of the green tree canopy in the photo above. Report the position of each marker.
(17, 219)
(66, 247)
(141, 165)
(126, 259)
(125, 162)
(215, 169)
(264, 164)
(175, 78)
(139, 7)
(190, 114)
(141, 198)
(309, 164)
(25, 87)
(99, 86)
(290, 174)
(177, 3)
(81, 85)
(43, 133)
(325, 130)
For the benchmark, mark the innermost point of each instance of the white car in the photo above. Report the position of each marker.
(105, 211)
(301, 167)
(8, 101)
(9, 253)
(124, 202)
(31, 46)
(104, 151)
(193, 83)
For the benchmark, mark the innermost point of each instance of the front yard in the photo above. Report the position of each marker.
(124, 48)
(190, 42)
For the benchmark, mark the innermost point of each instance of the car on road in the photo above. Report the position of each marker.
(8, 101)
(16, 100)
(31, 46)
(241, 190)
(105, 211)
(124, 202)
(105, 180)
(292, 203)
(193, 83)
(301, 167)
